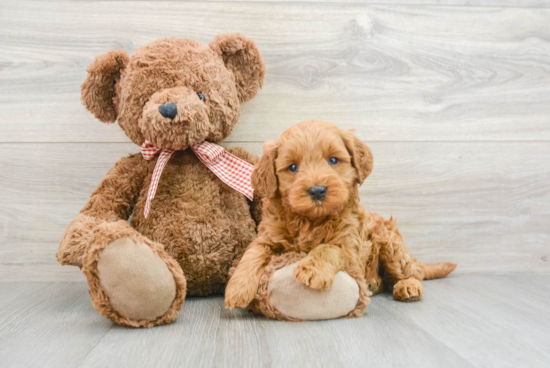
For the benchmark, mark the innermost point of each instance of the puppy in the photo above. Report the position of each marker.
(309, 180)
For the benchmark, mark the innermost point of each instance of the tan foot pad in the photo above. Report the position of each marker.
(296, 300)
(137, 281)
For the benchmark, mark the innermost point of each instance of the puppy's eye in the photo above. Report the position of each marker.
(201, 96)
(293, 168)
(332, 161)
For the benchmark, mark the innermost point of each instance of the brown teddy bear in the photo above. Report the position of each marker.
(189, 224)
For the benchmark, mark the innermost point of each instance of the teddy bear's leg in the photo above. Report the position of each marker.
(280, 296)
(132, 280)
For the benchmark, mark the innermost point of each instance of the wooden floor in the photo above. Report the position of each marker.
(468, 321)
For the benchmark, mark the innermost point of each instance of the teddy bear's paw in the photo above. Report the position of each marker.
(293, 299)
(408, 290)
(316, 275)
(137, 281)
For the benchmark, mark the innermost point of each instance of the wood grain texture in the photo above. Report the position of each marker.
(203, 336)
(470, 3)
(485, 206)
(507, 324)
(395, 72)
(453, 96)
(55, 326)
(462, 321)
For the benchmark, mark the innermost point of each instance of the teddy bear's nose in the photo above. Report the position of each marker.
(169, 110)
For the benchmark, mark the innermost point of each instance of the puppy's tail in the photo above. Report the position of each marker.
(437, 270)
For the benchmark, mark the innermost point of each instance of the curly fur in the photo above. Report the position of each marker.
(99, 88)
(336, 233)
(197, 224)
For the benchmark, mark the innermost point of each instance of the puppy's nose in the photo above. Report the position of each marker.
(317, 192)
(169, 110)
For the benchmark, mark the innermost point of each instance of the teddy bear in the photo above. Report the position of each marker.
(169, 221)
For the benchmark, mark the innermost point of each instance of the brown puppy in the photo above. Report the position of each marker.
(309, 180)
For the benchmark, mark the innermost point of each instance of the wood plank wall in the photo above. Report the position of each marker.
(453, 96)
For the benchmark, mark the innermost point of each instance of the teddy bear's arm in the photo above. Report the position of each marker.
(112, 201)
(256, 204)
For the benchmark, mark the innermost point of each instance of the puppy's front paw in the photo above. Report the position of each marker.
(239, 293)
(313, 274)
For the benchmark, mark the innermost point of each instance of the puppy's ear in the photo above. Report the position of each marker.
(264, 180)
(361, 155)
(243, 59)
(99, 88)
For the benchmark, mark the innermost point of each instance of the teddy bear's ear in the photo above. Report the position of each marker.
(243, 59)
(99, 88)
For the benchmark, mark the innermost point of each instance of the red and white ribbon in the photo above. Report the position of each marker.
(230, 169)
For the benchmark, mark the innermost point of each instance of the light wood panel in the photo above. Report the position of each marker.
(396, 72)
(55, 326)
(485, 206)
(502, 331)
(470, 3)
(453, 96)
(462, 321)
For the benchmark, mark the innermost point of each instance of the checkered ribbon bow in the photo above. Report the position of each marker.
(230, 169)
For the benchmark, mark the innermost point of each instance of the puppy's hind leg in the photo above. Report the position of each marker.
(411, 289)
(401, 271)
(370, 254)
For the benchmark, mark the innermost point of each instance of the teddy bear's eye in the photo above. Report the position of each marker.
(201, 96)
(332, 161)
(293, 168)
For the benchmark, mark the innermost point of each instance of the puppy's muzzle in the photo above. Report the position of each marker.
(317, 192)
